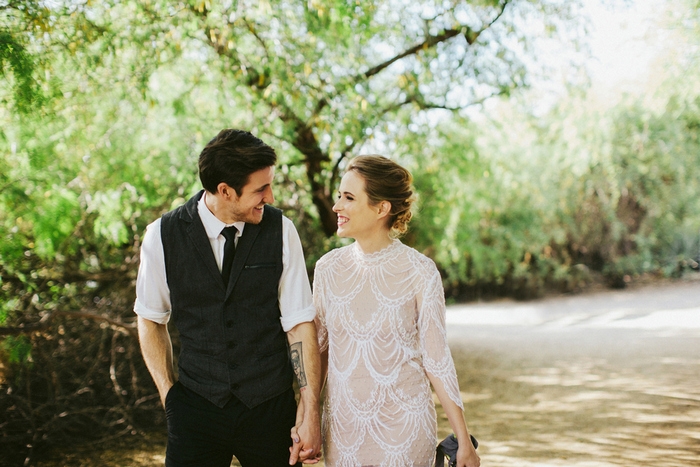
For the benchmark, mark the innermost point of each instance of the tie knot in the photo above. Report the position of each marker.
(229, 233)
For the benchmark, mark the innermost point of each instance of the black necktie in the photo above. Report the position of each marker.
(229, 251)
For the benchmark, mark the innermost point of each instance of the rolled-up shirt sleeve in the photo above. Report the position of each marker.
(295, 300)
(152, 292)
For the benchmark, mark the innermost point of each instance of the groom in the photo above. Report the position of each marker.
(229, 271)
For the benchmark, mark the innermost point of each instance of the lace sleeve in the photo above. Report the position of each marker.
(320, 320)
(437, 358)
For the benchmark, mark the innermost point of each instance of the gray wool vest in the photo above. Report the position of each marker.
(231, 340)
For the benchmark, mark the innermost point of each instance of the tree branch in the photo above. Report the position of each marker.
(45, 322)
(430, 41)
(498, 16)
(425, 105)
(251, 29)
(343, 154)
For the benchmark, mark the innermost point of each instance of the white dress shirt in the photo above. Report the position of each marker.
(153, 294)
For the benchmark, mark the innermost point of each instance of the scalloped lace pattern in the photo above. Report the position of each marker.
(382, 318)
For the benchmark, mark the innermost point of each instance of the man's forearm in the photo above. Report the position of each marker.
(303, 346)
(157, 351)
(306, 433)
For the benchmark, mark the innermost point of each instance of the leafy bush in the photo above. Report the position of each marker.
(551, 201)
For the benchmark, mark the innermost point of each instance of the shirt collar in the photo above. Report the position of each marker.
(212, 225)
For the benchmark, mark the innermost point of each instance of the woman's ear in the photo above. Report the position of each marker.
(384, 209)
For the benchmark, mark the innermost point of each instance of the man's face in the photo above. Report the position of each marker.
(248, 207)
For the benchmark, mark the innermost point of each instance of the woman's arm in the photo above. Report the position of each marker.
(438, 363)
(466, 454)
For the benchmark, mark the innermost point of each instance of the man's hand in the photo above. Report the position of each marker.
(306, 437)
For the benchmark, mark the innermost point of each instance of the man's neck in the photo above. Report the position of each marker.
(215, 206)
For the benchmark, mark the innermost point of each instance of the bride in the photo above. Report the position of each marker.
(381, 322)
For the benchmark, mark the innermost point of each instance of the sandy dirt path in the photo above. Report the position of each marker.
(592, 380)
(595, 380)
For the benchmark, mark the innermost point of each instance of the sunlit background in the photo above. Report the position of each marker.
(555, 147)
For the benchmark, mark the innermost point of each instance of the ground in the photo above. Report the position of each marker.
(600, 379)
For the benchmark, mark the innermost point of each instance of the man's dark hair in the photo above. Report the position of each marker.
(231, 157)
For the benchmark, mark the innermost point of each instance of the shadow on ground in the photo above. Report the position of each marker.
(551, 408)
(544, 395)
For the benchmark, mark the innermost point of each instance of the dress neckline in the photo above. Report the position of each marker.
(377, 256)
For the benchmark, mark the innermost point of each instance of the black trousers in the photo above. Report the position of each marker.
(204, 435)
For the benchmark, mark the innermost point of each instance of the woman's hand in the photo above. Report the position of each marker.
(467, 456)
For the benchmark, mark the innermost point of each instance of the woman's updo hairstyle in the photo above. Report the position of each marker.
(385, 180)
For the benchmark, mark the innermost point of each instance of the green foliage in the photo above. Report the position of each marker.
(18, 349)
(484, 219)
(551, 200)
(17, 67)
(135, 89)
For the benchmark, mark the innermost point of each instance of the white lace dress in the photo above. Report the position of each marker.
(382, 319)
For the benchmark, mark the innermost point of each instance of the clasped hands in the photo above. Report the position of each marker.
(306, 439)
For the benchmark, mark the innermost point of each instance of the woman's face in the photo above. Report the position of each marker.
(356, 217)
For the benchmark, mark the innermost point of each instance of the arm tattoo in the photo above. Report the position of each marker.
(298, 363)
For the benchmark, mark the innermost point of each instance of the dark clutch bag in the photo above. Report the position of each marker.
(448, 448)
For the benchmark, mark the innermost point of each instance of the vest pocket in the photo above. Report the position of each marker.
(260, 265)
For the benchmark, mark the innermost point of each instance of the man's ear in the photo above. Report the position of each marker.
(225, 191)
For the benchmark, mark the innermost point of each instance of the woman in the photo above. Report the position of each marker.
(381, 321)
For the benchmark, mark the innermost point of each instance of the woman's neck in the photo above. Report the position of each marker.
(374, 243)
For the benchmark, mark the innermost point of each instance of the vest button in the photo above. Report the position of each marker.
(231, 344)
(232, 365)
(229, 323)
(235, 386)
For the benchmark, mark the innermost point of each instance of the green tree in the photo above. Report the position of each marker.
(106, 103)
(555, 200)
(321, 78)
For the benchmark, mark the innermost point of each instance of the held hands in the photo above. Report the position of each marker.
(306, 438)
(301, 451)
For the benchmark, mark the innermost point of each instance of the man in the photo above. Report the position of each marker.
(241, 302)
